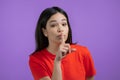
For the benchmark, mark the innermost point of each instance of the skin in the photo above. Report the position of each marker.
(57, 33)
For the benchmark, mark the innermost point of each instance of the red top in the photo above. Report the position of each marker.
(75, 66)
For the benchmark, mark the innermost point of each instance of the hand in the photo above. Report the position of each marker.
(64, 49)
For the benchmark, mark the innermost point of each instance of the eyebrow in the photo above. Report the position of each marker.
(56, 21)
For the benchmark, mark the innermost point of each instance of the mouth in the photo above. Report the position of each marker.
(61, 36)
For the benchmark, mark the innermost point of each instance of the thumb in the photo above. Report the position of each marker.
(73, 49)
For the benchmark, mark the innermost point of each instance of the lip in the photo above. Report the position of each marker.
(61, 34)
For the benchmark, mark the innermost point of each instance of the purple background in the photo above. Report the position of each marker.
(95, 24)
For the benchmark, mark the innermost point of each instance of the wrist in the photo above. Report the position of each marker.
(57, 61)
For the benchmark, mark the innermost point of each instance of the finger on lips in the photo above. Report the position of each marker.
(66, 47)
(62, 40)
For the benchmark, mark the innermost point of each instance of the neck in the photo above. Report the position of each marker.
(53, 48)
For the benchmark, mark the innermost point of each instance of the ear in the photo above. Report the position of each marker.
(44, 32)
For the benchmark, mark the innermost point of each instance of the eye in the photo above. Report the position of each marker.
(53, 25)
(64, 24)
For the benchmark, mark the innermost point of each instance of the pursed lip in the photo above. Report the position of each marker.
(60, 35)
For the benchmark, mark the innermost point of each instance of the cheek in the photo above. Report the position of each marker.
(51, 33)
(67, 30)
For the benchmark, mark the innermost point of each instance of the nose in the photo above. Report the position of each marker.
(60, 29)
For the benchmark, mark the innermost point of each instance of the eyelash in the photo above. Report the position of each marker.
(53, 25)
(63, 24)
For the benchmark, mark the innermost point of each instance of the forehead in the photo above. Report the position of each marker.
(57, 18)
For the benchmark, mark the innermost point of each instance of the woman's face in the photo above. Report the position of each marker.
(56, 28)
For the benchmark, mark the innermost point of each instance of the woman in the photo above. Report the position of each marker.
(56, 57)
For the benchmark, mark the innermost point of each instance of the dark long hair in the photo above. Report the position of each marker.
(41, 40)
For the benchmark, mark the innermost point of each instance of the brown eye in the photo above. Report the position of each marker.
(64, 24)
(53, 25)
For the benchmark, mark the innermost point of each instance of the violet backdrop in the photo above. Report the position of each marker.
(95, 24)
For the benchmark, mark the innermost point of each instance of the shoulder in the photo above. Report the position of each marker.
(82, 50)
(79, 47)
(37, 53)
(37, 56)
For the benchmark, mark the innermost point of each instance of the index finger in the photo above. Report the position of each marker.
(62, 40)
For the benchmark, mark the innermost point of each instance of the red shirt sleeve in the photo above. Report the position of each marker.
(37, 68)
(88, 63)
